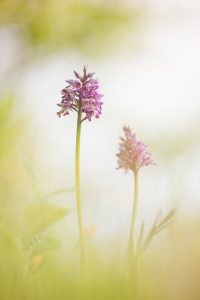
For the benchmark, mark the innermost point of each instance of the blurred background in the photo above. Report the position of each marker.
(146, 56)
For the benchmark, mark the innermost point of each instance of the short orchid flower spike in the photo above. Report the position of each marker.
(81, 94)
(133, 153)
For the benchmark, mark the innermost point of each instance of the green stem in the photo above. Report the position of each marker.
(132, 236)
(78, 193)
(132, 242)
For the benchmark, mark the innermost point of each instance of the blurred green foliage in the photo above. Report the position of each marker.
(36, 264)
(165, 273)
(24, 243)
(81, 24)
(12, 128)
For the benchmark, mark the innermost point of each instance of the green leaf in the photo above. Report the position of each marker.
(28, 165)
(40, 245)
(168, 217)
(42, 215)
(155, 229)
(140, 240)
(160, 228)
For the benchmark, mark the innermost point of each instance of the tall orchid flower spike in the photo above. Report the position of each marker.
(82, 96)
(132, 156)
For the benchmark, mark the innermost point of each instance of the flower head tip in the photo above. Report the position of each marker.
(82, 94)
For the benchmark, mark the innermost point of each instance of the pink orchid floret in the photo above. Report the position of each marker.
(81, 94)
(133, 154)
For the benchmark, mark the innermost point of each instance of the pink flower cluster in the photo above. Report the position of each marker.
(81, 94)
(133, 154)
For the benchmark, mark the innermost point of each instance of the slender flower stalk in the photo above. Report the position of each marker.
(132, 156)
(78, 189)
(132, 251)
(132, 239)
(82, 96)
